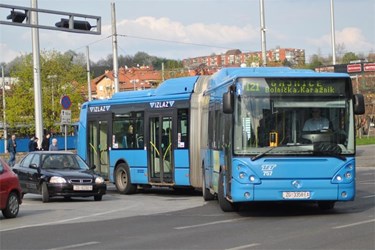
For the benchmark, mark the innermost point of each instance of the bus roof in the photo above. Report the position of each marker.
(179, 88)
(227, 74)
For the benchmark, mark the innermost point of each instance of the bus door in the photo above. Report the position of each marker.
(161, 138)
(98, 143)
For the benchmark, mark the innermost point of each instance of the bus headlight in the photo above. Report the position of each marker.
(242, 175)
(348, 175)
(345, 175)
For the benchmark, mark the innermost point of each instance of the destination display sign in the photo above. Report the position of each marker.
(272, 86)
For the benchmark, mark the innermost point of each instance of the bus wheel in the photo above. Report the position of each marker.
(225, 205)
(326, 205)
(122, 180)
(207, 196)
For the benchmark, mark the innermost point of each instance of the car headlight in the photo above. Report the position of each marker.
(99, 180)
(57, 179)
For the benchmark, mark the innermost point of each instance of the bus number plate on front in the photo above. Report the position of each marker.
(82, 187)
(296, 195)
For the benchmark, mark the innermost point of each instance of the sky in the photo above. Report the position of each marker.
(180, 29)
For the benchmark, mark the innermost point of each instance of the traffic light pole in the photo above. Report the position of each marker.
(69, 24)
(37, 82)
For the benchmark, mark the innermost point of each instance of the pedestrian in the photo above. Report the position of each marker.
(45, 142)
(53, 146)
(31, 145)
(36, 148)
(12, 150)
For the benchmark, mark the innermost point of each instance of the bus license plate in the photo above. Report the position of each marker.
(82, 187)
(296, 195)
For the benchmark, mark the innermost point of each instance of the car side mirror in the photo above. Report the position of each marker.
(34, 166)
(92, 167)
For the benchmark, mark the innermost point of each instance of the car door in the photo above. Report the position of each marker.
(22, 170)
(34, 174)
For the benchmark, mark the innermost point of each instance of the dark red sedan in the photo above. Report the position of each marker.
(10, 191)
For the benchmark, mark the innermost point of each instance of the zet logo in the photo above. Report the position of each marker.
(267, 169)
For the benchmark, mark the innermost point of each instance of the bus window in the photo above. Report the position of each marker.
(128, 131)
(182, 129)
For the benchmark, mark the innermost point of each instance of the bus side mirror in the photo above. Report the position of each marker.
(359, 104)
(228, 102)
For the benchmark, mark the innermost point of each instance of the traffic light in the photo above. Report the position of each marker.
(17, 16)
(78, 25)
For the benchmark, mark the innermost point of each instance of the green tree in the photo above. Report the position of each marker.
(349, 56)
(59, 76)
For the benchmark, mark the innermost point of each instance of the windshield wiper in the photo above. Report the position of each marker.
(328, 149)
(262, 154)
(328, 153)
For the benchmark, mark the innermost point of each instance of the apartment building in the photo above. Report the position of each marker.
(236, 57)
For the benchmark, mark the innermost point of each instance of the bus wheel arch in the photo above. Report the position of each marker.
(123, 179)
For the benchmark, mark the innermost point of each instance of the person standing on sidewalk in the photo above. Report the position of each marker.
(12, 150)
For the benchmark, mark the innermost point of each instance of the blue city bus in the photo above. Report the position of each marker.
(256, 146)
(146, 138)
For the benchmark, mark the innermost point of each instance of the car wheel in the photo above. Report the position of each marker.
(98, 197)
(12, 206)
(225, 205)
(122, 180)
(45, 194)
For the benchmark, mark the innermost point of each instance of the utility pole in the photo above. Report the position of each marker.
(333, 35)
(114, 48)
(263, 33)
(4, 115)
(88, 73)
(37, 83)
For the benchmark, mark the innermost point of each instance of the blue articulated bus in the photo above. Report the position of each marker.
(146, 138)
(258, 145)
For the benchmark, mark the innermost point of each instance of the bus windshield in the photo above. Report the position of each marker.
(292, 116)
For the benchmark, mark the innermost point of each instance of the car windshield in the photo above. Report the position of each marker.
(63, 161)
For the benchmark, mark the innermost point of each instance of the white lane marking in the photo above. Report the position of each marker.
(368, 196)
(244, 246)
(76, 245)
(366, 183)
(208, 224)
(354, 224)
(67, 220)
